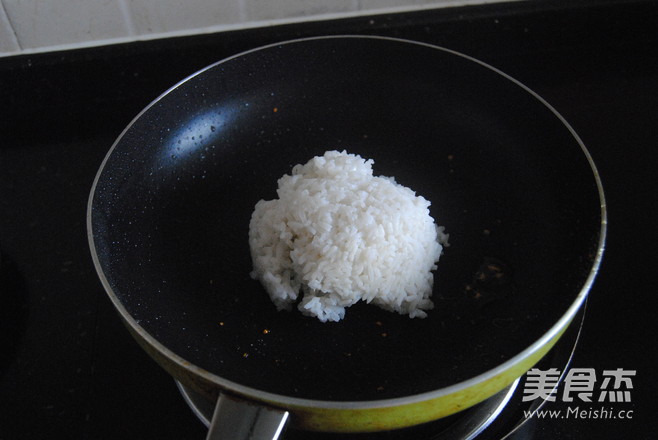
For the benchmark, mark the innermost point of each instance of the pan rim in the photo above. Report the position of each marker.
(285, 400)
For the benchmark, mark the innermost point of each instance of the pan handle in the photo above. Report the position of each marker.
(236, 419)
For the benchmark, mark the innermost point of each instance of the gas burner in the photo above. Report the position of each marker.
(499, 417)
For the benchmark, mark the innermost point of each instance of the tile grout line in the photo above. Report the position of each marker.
(11, 26)
(127, 17)
(242, 11)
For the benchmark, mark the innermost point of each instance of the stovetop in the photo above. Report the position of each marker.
(69, 369)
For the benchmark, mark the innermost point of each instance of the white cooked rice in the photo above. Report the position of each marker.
(342, 235)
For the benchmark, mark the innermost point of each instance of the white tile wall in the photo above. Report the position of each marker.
(408, 4)
(257, 10)
(163, 16)
(46, 23)
(28, 26)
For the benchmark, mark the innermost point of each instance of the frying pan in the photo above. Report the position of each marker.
(507, 176)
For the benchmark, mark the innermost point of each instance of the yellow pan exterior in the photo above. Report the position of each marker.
(352, 417)
(405, 415)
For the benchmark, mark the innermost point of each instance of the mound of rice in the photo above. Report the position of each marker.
(341, 235)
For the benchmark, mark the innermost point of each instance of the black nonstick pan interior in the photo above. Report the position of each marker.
(506, 176)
